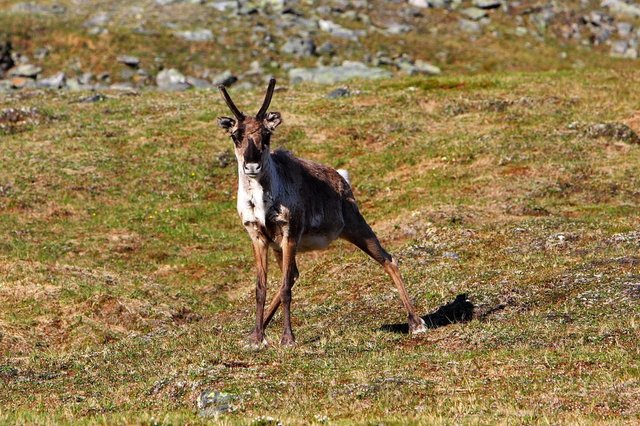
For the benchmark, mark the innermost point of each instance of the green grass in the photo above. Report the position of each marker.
(126, 279)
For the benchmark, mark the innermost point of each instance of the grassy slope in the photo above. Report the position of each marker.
(126, 279)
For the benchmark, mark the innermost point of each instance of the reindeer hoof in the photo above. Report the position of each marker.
(254, 342)
(417, 326)
(287, 340)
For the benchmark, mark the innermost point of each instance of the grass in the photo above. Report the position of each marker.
(126, 280)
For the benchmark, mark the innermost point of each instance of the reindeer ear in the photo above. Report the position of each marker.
(272, 120)
(226, 123)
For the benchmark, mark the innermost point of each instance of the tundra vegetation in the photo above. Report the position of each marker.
(127, 280)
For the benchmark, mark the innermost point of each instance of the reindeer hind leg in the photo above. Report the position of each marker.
(358, 232)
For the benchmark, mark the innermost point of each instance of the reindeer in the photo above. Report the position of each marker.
(294, 205)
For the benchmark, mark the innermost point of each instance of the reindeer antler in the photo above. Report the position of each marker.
(267, 99)
(234, 109)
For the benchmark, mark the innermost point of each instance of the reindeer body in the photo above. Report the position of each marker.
(293, 205)
(294, 197)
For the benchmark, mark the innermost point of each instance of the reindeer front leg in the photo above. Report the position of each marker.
(288, 276)
(260, 251)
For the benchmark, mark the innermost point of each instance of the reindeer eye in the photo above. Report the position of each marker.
(236, 137)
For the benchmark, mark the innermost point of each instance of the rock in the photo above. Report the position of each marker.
(22, 83)
(487, 4)
(419, 67)
(214, 403)
(96, 97)
(225, 78)
(25, 70)
(334, 74)
(6, 60)
(419, 3)
(474, 13)
(172, 80)
(300, 47)
(129, 60)
(395, 29)
(618, 48)
(123, 87)
(100, 19)
(338, 30)
(619, 7)
(451, 255)
(38, 9)
(468, 26)
(340, 92)
(224, 5)
(327, 48)
(624, 29)
(199, 83)
(616, 131)
(57, 81)
(195, 35)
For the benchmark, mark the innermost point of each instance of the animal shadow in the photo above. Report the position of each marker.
(460, 310)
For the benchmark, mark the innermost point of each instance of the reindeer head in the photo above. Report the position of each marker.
(251, 135)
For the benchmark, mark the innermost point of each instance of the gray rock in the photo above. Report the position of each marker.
(419, 67)
(339, 31)
(38, 9)
(340, 92)
(395, 29)
(96, 97)
(214, 403)
(619, 7)
(624, 29)
(487, 4)
(468, 26)
(25, 70)
(123, 87)
(616, 131)
(224, 5)
(226, 79)
(300, 47)
(172, 80)
(199, 83)
(618, 48)
(100, 19)
(195, 35)
(57, 81)
(129, 60)
(334, 74)
(327, 48)
(474, 13)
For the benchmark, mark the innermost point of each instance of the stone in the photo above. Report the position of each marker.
(129, 60)
(57, 81)
(624, 29)
(468, 26)
(339, 31)
(395, 29)
(327, 48)
(616, 131)
(619, 7)
(487, 4)
(300, 47)
(25, 70)
(96, 97)
(214, 403)
(474, 13)
(123, 87)
(340, 92)
(22, 83)
(172, 80)
(226, 79)
(334, 74)
(199, 83)
(195, 35)
(618, 48)
(419, 67)
(38, 9)
(100, 19)
(224, 6)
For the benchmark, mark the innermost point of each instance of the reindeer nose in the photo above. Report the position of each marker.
(252, 168)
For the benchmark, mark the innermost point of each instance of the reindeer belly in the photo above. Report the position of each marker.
(314, 242)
